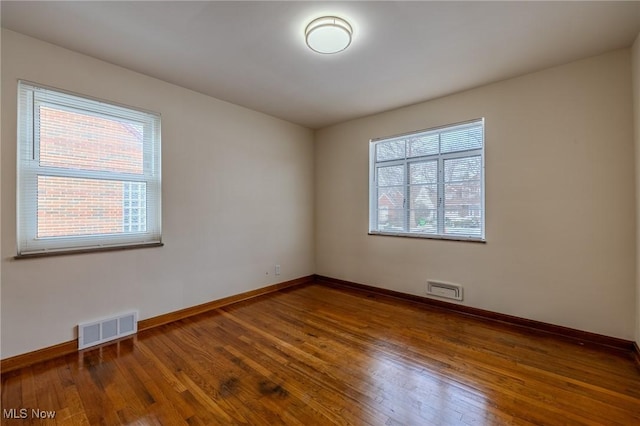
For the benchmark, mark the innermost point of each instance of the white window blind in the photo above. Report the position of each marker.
(429, 183)
(88, 173)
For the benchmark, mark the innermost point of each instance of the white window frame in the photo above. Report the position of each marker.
(30, 96)
(374, 164)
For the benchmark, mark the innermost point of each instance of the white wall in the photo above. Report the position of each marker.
(559, 198)
(237, 198)
(635, 73)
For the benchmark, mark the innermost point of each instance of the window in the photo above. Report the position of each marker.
(429, 183)
(88, 173)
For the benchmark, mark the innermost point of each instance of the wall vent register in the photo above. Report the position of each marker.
(445, 290)
(107, 329)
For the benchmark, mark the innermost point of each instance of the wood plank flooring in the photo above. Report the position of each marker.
(321, 355)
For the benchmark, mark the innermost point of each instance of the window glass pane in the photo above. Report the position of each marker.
(423, 220)
(425, 172)
(391, 197)
(461, 139)
(462, 193)
(424, 196)
(423, 216)
(74, 140)
(391, 150)
(423, 145)
(463, 219)
(134, 218)
(393, 175)
(461, 169)
(73, 206)
(391, 220)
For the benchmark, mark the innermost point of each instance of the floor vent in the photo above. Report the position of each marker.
(107, 329)
(446, 290)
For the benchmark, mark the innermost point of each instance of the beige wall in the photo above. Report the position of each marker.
(635, 73)
(560, 189)
(559, 199)
(237, 199)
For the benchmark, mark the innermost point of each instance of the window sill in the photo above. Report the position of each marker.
(85, 251)
(431, 237)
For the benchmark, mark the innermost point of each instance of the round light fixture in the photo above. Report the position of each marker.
(328, 34)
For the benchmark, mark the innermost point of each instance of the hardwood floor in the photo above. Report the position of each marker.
(321, 355)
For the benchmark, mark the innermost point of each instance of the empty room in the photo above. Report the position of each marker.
(316, 213)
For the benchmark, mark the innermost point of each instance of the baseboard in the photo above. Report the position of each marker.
(636, 354)
(527, 324)
(65, 348)
(215, 304)
(44, 354)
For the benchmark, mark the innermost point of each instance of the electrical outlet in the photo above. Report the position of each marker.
(277, 269)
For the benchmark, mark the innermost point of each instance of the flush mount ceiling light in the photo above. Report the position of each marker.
(328, 34)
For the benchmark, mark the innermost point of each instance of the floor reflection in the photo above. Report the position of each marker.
(413, 394)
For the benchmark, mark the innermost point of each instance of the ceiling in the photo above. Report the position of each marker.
(253, 53)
